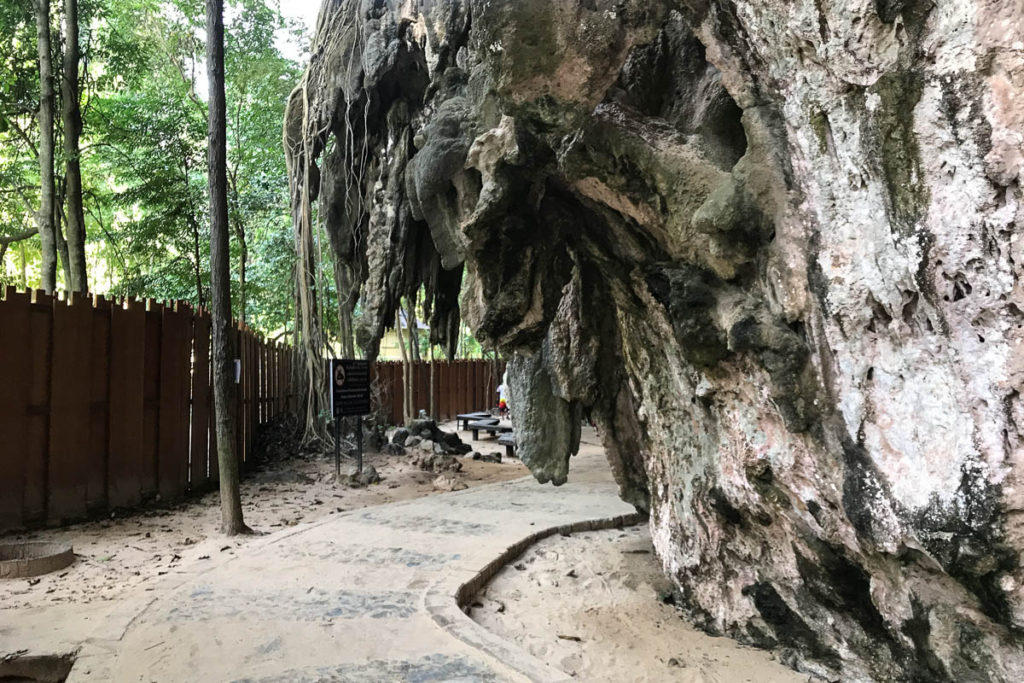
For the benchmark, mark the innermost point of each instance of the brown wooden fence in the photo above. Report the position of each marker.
(107, 404)
(460, 386)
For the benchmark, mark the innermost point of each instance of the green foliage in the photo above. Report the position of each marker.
(144, 148)
(19, 100)
(144, 154)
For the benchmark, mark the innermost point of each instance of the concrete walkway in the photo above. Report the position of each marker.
(369, 595)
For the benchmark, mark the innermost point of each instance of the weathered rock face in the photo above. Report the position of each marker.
(772, 248)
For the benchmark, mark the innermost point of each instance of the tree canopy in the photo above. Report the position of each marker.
(143, 150)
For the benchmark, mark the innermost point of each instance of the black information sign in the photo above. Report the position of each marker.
(350, 387)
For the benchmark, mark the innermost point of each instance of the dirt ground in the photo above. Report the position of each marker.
(590, 604)
(120, 554)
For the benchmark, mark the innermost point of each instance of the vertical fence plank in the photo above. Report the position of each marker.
(214, 463)
(278, 380)
(38, 455)
(286, 376)
(472, 377)
(261, 384)
(249, 366)
(239, 395)
(448, 389)
(397, 380)
(106, 404)
(200, 406)
(264, 383)
(458, 381)
(422, 386)
(440, 391)
(151, 399)
(15, 348)
(127, 392)
(70, 375)
(275, 381)
(98, 444)
(282, 388)
(251, 389)
(175, 385)
(255, 391)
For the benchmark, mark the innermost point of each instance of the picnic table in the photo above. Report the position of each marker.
(466, 418)
(492, 426)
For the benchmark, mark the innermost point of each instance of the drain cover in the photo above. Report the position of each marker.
(18, 560)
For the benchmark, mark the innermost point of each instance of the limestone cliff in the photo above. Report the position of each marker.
(772, 248)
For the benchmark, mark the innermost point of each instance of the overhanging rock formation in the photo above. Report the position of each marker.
(772, 248)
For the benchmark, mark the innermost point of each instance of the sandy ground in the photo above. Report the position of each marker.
(589, 604)
(117, 555)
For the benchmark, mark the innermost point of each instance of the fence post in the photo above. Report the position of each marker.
(16, 344)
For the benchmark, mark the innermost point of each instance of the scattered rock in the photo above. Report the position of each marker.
(424, 428)
(439, 463)
(392, 449)
(412, 441)
(399, 436)
(487, 457)
(449, 482)
(356, 478)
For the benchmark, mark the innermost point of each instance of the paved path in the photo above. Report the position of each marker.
(368, 595)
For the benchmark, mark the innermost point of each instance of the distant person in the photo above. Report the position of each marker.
(502, 401)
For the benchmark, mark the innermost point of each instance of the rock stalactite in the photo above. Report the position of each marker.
(772, 249)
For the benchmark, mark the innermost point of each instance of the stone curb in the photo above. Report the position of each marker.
(22, 560)
(447, 607)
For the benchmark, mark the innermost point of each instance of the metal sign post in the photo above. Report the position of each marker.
(350, 396)
(337, 448)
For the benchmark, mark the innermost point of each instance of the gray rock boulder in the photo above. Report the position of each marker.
(392, 449)
(354, 477)
(770, 248)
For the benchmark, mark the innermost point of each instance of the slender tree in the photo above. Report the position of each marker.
(220, 275)
(407, 373)
(72, 116)
(433, 382)
(414, 333)
(47, 191)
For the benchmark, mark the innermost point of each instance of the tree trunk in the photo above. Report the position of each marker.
(24, 269)
(342, 281)
(200, 301)
(48, 243)
(220, 275)
(58, 231)
(407, 388)
(433, 382)
(414, 335)
(243, 257)
(194, 225)
(72, 114)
